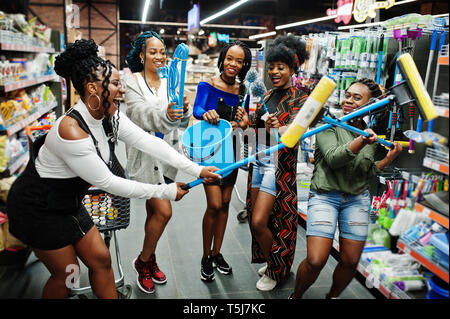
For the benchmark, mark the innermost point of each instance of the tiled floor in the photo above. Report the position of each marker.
(179, 252)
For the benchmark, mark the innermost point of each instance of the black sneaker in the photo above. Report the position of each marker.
(207, 271)
(221, 264)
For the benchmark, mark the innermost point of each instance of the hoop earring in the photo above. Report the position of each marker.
(89, 104)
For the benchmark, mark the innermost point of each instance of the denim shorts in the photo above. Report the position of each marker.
(327, 209)
(263, 175)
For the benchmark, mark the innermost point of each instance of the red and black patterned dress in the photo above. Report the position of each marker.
(283, 220)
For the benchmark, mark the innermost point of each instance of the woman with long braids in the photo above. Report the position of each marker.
(220, 98)
(272, 183)
(148, 107)
(339, 195)
(44, 203)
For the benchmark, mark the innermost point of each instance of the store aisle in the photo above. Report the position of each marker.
(179, 252)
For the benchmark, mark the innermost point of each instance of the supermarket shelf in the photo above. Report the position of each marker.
(435, 165)
(25, 48)
(30, 119)
(26, 83)
(442, 111)
(432, 214)
(430, 265)
(443, 60)
(17, 163)
(385, 291)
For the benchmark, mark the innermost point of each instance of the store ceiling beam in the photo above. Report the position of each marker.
(182, 24)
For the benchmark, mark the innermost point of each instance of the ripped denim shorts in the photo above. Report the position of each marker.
(326, 210)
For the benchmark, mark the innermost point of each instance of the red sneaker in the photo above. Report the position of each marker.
(158, 276)
(144, 278)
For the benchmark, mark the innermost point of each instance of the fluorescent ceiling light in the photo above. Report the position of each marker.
(262, 35)
(403, 2)
(144, 12)
(294, 24)
(184, 24)
(218, 14)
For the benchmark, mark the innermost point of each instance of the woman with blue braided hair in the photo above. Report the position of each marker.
(148, 106)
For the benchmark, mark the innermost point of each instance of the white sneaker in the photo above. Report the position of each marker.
(266, 283)
(262, 270)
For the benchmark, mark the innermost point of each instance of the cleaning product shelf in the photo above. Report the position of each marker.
(26, 83)
(436, 160)
(25, 48)
(41, 110)
(442, 111)
(438, 270)
(432, 214)
(385, 291)
(17, 163)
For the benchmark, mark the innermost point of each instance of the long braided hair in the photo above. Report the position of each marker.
(133, 58)
(80, 64)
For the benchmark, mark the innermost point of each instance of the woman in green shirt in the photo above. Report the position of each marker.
(344, 163)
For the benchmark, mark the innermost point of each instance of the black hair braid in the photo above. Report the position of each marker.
(114, 122)
(247, 58)
(374, 87)
(80, 63)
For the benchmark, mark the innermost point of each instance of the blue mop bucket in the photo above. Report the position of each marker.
(209, 144)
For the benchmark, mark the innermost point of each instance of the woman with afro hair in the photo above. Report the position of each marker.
(44, 204)
(272, 183)
(220, 98)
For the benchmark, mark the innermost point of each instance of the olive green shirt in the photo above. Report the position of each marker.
(337, 168)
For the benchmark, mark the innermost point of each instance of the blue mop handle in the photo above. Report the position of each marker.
(380, 58)
(353, 129)
(245, 96)
(441, 43)
(272, 149)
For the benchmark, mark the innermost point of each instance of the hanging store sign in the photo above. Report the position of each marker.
(222, 37)
(366, 8)
(212, 39)
(344, 11)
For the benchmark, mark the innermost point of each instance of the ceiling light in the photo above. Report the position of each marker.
(144, 12)
(294, 24)
(162, 31)
(218, 14)
(262, 35)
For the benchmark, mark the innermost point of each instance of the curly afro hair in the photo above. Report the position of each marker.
(288, 49)
(247, 58)
(133, 58)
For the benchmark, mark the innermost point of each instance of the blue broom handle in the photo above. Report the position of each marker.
(277, 147)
